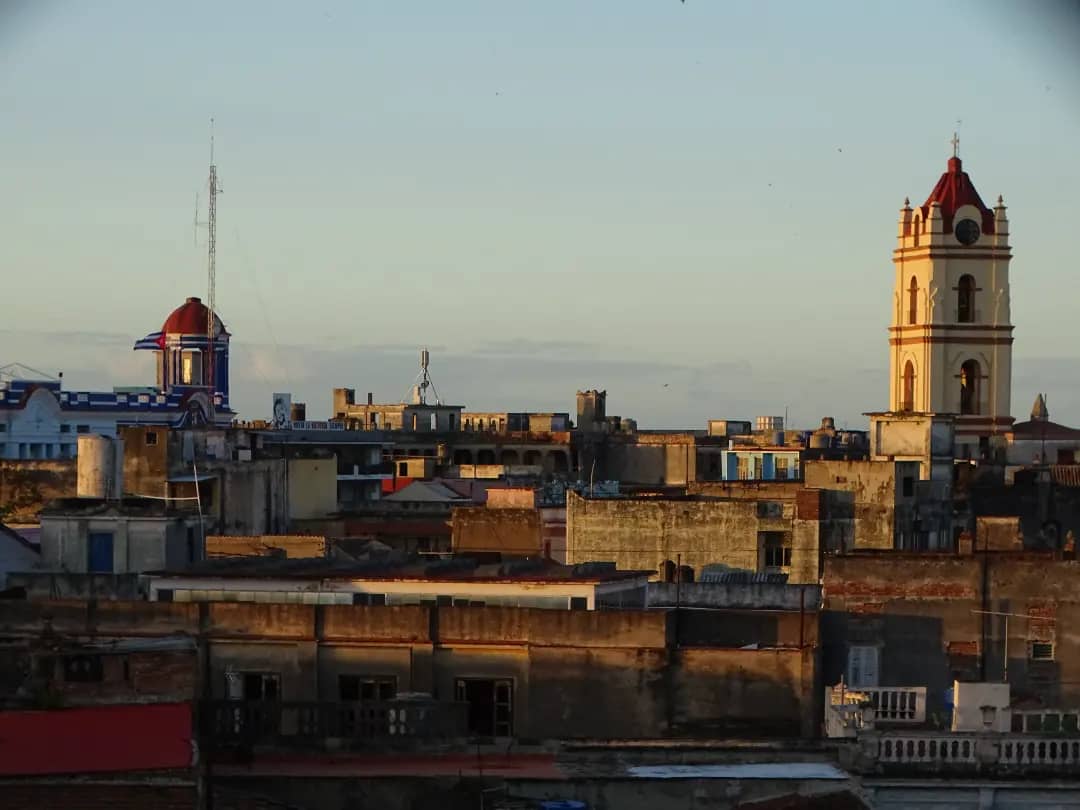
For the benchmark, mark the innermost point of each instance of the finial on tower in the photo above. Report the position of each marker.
(1001, 200)
(955, 145)
(907, 203)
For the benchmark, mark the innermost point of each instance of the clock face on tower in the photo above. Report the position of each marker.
(967, 231)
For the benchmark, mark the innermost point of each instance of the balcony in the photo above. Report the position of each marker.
(996, 753)
(310, 724)
(365, 472)
(900, 704)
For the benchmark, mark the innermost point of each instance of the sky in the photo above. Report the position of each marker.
(689, 204)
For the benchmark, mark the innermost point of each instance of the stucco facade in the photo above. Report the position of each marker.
(950, 340)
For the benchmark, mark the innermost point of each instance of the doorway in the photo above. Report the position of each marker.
(490, 705)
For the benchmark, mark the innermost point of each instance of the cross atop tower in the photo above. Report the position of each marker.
(955, 145)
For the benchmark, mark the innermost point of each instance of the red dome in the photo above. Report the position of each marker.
(953, 190)
(190, 319)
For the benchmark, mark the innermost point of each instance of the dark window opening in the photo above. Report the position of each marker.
(1042, 651)
(579, 603)
(908, 400)
(253, 685)
(490, 712)
(965, 300)
(365, 687)
(777, 549)
(151, 438)
(970, 375)
(909, 486)
(83, 669)
(913, 300)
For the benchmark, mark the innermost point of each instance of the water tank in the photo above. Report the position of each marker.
(100, 467)
(768, 424)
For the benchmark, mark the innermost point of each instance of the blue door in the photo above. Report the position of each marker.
(99, 552)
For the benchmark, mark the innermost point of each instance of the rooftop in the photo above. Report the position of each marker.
(411, 569)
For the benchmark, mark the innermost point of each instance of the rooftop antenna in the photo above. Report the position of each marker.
(423, 381)
(211, 269)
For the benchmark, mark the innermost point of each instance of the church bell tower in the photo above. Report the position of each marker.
(950, 342)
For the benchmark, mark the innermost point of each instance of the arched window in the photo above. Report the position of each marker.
(907, 403)
(970, 376)
(916, 226)
(965, 299)
(913, 301)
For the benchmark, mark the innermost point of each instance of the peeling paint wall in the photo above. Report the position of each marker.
(644, 533)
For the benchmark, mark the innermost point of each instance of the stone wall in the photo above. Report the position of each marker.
(27, 485)
(506, 530)
(644, 533)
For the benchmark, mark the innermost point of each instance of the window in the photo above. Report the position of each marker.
(782, 468)
(970, 374)
(191, 368)
(1042, 651)
(909, 486)
(83, 669)
(744, 468)
(99, 553)
(579, 603)
(770, 509)
(777, 549)
(151, 438)
(907, 402)
(862, 669)
(253, 685)
(965, 299)
(913, 301)
(82, 428)
(490, 712)
(369, 598)
(365, 687)
(403, 469)
(65, 428)
(3, 428)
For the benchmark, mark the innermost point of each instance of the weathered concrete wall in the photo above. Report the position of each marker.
(643, 533)
(760, 595)
(507, 530)
(998, 534)
(294, 545)
(861, 503)
(748, 490)
(312, 488)
(665, 459)
(26, 486)
(146, 460)
(594, 674)
(918, 609)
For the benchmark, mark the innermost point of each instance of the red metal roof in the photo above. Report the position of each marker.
(96, 739)
(189, 318)
(953, 190)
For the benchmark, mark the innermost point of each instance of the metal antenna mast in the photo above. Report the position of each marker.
(211, 272)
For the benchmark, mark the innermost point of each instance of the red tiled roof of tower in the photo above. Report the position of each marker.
(953, 190)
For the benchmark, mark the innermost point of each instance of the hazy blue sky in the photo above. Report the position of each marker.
(551, 195)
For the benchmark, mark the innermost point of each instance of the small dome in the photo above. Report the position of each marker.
(190, 319)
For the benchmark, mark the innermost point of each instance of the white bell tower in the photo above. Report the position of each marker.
(950, 342)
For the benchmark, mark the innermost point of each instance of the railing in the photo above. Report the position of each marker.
(891, 704)
(281, 722)
(901, 704)
(942, 749)
(1002, 752)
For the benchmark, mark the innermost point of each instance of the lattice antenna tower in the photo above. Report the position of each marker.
(211, 269)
